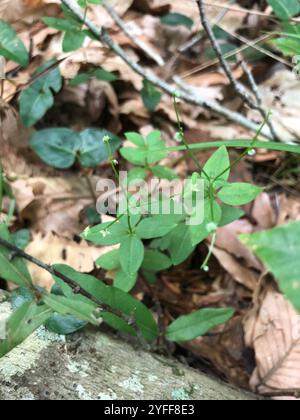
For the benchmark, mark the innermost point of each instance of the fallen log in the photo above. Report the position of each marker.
(93, 365)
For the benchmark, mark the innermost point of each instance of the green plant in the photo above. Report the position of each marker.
(146, 243)
(279, 249)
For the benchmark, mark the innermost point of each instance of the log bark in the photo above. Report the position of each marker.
(94, 365)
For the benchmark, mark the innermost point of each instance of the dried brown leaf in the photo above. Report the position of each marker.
(274, 333)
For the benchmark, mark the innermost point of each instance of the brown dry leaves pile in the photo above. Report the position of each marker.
(53, 204)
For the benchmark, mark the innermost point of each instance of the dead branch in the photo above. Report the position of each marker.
(171, 90)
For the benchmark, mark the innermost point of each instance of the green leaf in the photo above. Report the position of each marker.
(279, 249)
(289, 47)
(163, 172)
(117, 323)
(73, 40)
(56, 146)
(230, 215)
(34, 104)
(106, 233)
(136, 139)
(285, 9)
(109, 261)
(155, 261)
(177, 19)
(11, 47)
(136, 156)
(150, 95)
(93, 150)
(181, 245)
(151, 151)
(63, 25)
(197, 324)
(155, 227)
(136, 175)
(116, 299)
(131, 254)
(86, 311)
(238, 194)
(20, 296)
(38, 98)
(105, 75)
(12, 269)
(21, 238)
(217, 164)
(124, 281)
(22, 324)
(64, 324)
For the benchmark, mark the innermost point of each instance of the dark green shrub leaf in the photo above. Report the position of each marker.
(11, 47)
(197, 324)
(150, 95)
(20, 296)
(56, 146)
(92, 148)
(73, 40)
(177, 19)
(38, 98)
(279, 249)
(64, 324)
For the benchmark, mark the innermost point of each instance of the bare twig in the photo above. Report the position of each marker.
(198, 37)
(138, 42)
(282, 393)
(226, 56)
(213, 106)
(252, 44)
(246, 11)
(238, 87)
(258, 98)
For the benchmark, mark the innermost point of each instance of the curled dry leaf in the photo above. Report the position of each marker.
(52, 204)
(274, 333)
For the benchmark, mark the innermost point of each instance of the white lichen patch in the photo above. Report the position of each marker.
(180, 394)
(81, 368)
(50, 337)
(83, 394)
(110, 396)
(152, 378)
(23, 357)
(133, 384)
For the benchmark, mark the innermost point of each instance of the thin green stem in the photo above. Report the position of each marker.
(182, 137)
(210, 252)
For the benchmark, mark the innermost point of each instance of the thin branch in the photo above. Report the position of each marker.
(246, 11)
(17, 252)
(238, 87)
(258, 98)
(282, 393)
(213, 106)
(138, 42)
(230, 54)
(198, 37)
